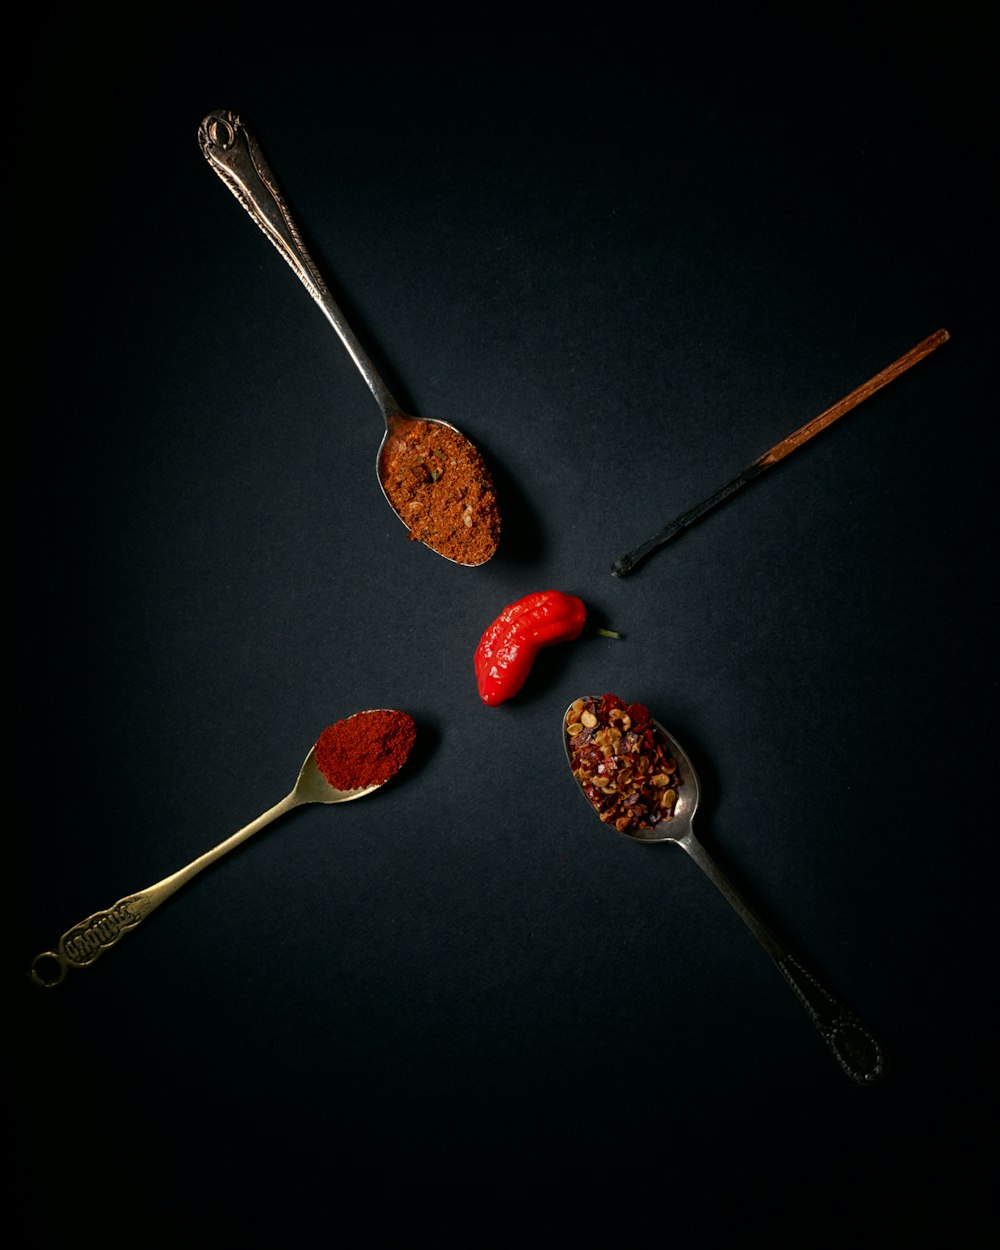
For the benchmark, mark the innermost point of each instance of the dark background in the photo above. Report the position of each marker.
(625, 262)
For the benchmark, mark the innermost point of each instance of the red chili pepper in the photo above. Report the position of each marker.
(508, 648)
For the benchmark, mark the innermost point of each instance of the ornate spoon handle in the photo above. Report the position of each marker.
(80, 946)
(856, 1048)
(234, 154)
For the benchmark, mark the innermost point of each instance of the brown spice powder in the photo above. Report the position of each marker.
(439, 484)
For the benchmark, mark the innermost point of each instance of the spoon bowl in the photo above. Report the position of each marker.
(438, 521)
(312, 787)
(680, 826)
(857, 1050)
(438, 485)
(82, 945)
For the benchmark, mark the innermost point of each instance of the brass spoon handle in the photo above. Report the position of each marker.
(856, 1048)
(82, 945)
(235, 155)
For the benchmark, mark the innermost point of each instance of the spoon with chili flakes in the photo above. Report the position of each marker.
(641, 782)
(432, 476)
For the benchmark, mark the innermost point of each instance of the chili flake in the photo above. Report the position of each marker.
(622, 762)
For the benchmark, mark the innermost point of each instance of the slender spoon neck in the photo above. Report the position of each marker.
(768, 940)
(169, 884)
(362, 361)
(85, 942)
(235, 155)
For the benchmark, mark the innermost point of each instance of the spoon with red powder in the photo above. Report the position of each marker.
(433, 477)
(350, 759)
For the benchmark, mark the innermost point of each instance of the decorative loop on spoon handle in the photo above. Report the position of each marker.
(857, 1049)
(80, 946)
(234, 154)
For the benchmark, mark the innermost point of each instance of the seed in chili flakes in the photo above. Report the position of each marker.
(439, 485)
(622, 762)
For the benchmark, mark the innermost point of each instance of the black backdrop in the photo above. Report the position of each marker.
(626, 263)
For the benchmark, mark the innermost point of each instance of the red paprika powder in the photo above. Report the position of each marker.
(366, 749)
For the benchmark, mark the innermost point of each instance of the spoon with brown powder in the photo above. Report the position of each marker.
(350, 759)
(433, 477)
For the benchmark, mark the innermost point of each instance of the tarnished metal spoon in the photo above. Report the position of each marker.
(233, 152)
(80, 946)
(857, 1050)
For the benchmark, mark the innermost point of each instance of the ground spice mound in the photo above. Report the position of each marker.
(365, 749)
(439, 484)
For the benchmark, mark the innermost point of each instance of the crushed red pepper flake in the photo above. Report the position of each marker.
(439, 485)
(622, 762)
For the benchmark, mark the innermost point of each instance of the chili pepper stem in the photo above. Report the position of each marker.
(609, 633)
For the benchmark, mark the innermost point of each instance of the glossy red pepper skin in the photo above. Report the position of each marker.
(508, 648)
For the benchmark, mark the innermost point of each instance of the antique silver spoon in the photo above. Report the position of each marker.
(234, 154)
(80, 946)
(857, 1049)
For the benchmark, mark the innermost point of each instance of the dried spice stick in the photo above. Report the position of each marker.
(626, 563)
